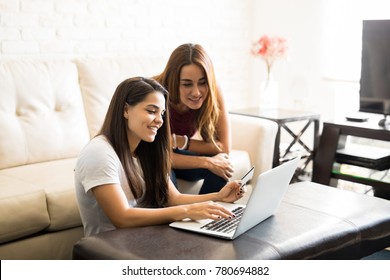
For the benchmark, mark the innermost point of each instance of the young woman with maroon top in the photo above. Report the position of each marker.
(197, 108)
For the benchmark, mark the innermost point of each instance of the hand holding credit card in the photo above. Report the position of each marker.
(248, 176)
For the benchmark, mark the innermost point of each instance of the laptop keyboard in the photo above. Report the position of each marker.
(225, 225)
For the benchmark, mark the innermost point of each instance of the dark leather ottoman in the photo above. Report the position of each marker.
(313, 222)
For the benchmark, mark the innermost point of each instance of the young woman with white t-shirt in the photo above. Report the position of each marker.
(122, 174)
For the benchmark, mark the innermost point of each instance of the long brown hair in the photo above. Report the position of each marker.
(153, 157)
(187, 54)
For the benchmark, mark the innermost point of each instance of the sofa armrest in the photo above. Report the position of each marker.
(257, 137)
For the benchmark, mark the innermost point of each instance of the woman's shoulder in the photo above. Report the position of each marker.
(98, 143)
(98, 149)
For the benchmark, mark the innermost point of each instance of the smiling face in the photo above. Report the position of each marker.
(193, 88)
(144, 119)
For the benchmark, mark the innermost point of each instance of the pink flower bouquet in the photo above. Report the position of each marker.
(269, 49)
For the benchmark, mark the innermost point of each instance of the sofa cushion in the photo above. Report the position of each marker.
(99, 78)
(55, 180)
(241, 163)
(257, 137)
(23, 209)
(41, 112)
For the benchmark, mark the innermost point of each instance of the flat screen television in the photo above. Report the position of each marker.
(375, 69)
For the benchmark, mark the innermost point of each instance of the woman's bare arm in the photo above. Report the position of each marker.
(115, 205)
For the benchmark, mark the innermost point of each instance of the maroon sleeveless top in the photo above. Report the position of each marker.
(183, 123)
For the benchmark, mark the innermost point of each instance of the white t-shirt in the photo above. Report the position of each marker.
(98, 164)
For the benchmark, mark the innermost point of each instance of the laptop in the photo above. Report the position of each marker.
(265, 199)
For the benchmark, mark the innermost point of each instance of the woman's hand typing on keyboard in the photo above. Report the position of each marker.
(206, 206)
(208, 210)
(231, 192)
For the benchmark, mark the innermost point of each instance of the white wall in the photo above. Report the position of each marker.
(319, 34)
(67, 28)
(297, 21)
(323, 70)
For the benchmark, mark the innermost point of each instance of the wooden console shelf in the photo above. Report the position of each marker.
(325, 155)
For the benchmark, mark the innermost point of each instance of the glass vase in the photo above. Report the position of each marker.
(269, 93)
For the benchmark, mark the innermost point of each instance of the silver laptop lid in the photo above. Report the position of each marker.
(267, 195)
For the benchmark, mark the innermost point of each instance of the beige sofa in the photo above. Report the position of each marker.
(49, 109)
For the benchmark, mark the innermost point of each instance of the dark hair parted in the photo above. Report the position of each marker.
(154, 157)
(187, 54)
